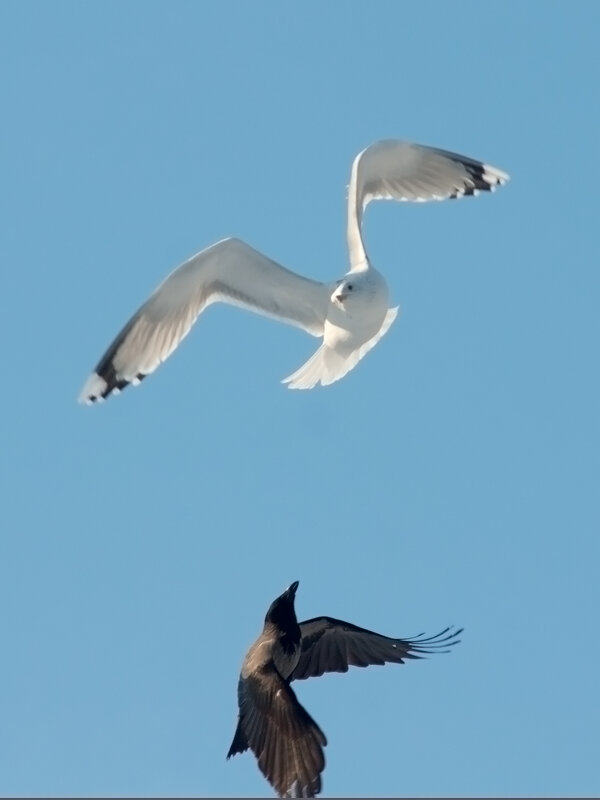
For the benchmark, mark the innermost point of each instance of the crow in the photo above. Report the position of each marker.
(285, 739)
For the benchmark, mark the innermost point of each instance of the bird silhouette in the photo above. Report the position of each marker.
(350, 314)
(285, 739)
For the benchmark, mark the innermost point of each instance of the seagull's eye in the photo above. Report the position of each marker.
(350, 287)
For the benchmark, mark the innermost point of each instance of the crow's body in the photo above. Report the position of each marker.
(286, 741)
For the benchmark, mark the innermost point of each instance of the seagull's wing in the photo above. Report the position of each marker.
(286, 741)
(331, 645)
(229, 271)
(396, 170)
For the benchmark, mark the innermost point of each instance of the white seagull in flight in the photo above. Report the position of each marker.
(350, 314)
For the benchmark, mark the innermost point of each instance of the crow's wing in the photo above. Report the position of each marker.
(286, 741)
(332, 645)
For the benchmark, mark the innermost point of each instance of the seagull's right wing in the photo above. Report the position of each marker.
(285, 739)
(332, 645)
(229, 271)
(396, 170)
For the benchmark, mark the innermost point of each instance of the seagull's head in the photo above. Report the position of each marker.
(362, 295)
(345, 292)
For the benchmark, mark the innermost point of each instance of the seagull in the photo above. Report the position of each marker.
(350, 314)
(285, 739)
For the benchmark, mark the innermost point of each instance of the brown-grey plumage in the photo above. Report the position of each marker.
(286, 741)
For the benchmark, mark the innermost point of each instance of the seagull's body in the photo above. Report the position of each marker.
(351, 314)
(285, 739)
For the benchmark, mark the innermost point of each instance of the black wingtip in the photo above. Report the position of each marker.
(481, 178)
(113, 381)
(104, 382)
(106, 379)
(239, 743)
(421, 645)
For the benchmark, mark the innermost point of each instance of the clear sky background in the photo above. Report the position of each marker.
(452, 477)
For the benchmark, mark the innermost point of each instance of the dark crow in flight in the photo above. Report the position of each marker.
(285, 739)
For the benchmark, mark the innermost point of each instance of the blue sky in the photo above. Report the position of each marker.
(452, 477)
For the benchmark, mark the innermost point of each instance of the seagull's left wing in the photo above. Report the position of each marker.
(229, 271)
(332, 645)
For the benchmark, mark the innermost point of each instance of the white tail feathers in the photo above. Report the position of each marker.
(324, 367)
(327, 366)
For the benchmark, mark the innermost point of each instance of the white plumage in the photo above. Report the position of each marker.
(350, 314)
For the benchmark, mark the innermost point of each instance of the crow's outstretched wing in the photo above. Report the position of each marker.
(332, 645)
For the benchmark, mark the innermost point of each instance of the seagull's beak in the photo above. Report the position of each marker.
(339, 297)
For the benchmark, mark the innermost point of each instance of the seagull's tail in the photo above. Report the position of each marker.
(324, 367)
(328, 366)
